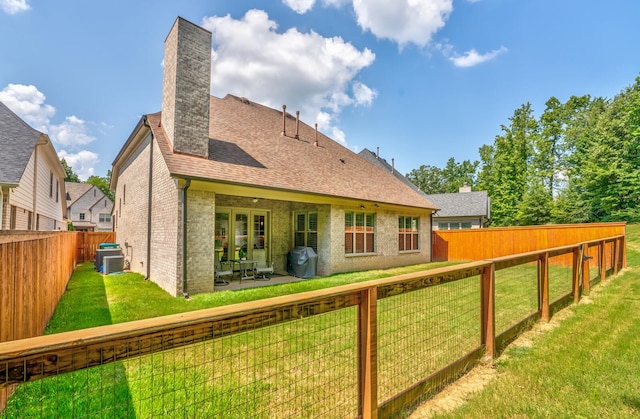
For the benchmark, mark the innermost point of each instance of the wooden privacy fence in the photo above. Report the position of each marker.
(35, 267)
(487, 243)
(88, 243)
(368, 350)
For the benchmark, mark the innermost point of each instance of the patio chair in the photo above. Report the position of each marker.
(219, 272)
(263, 270)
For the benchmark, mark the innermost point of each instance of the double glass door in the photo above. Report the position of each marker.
(242, 234)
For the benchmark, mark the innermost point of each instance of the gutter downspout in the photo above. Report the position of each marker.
(35, 185)
(149, 202)
(185, 294)
(431, 236)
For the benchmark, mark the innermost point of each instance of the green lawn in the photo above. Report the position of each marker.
(96, 300)
(588, 367)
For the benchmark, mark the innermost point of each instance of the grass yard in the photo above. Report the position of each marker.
(588, 366)
(283, 370)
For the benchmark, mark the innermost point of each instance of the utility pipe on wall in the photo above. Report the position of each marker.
(185, 294)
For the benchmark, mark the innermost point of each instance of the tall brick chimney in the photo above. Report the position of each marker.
(185, 88)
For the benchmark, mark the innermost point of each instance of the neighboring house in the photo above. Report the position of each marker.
(462, 210)
(88, 208)
(211, 178)
(465, 209)
(31, 178)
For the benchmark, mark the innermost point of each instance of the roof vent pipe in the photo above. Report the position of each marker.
(315, 143)
(393, 165)
(377, 152)
(284, 117)
(297, 124)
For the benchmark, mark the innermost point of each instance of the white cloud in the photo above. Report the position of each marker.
(81, 162)
(403, 21)
(14, 6)
(472, 57)
(300, 6)
(71, 132)
(305, 71)
(28, 103)
(363, 94)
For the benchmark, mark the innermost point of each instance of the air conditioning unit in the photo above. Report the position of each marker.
(113, 264)
(102, 253)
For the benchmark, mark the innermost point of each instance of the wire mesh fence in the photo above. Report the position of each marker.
(516, 294)
(276, 371)
(295, 356)
(421, 332)
(591, 256)
(560, 276)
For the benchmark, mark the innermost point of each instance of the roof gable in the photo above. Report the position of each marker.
(246, 146)
(76, 190)
(17, 142)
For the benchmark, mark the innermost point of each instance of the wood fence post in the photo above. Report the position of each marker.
(586, 281)
(543, 266)
(487, 306)
(367, 354)
(623, 256)
(576, 274)
(616, 256)
(602, 260)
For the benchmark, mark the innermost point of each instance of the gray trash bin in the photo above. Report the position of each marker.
(302, 262)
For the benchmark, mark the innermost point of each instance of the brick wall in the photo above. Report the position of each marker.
(387, 254)
(130, 207)
(166, 262)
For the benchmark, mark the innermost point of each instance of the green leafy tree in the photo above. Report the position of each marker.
(505, 165)
(102, 183)
(71, 176)
(429, 179)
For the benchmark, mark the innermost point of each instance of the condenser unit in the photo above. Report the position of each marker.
(113, 264)
(102, 253)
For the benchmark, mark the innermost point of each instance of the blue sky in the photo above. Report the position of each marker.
(423, 80)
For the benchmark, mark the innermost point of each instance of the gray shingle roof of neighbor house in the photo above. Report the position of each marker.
(246, 146)
(463, 204)
(17, 142)
(76, 190)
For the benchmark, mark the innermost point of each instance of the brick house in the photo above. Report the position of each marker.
(210, 176)
(88, 208)
(31, 178)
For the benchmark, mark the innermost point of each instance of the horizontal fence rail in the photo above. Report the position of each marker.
(370, 349)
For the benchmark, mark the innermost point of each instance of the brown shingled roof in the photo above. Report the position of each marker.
(246, 147)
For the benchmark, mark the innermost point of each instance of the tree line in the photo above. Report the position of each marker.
(578, 162)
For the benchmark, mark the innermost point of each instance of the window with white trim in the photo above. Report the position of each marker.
(306, 229)
(408, 233)
(359, 232)
(82, 216)
(105, 218)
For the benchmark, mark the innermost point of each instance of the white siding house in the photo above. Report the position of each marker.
(31, 178)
